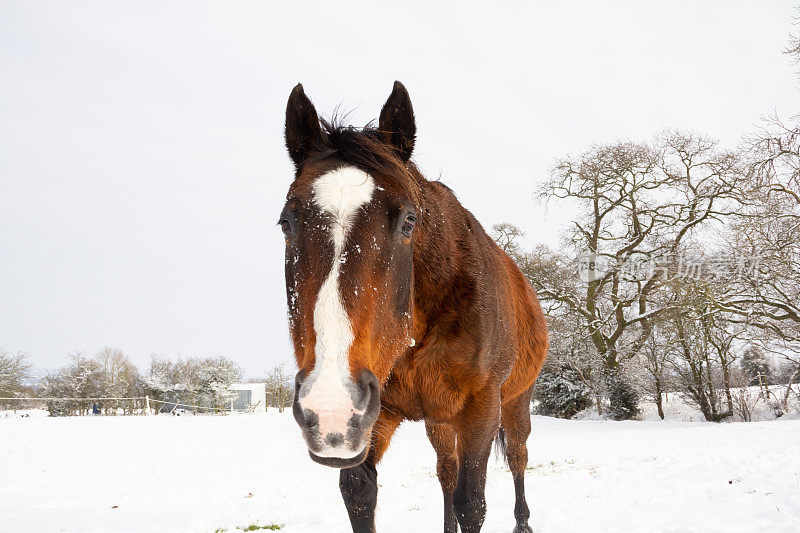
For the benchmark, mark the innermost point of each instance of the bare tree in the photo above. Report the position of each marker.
(767, 295)
(14, 371)
(507, 237)
(704, 342)
(655, 362)
(639, 204)
(793, 48)
(280, 388)
(120, 379)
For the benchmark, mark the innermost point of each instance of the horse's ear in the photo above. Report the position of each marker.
(302, 126)
(396, 123)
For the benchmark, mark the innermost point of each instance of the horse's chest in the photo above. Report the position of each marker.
(424, 388)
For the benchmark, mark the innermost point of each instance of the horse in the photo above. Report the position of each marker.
(401, 307)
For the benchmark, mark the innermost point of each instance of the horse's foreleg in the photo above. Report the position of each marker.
(480, 421)
(359, 484)
(516, 423)
(443, 439)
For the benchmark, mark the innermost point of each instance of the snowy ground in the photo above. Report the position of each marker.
(199, 474)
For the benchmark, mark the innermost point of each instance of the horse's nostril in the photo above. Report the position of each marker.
(367, 391)
(369, 383)
(311, 418)
(371, 398)
(334, 439)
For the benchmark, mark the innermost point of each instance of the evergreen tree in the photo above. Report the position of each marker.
(622, 395)
(561, 392)
(755, 364)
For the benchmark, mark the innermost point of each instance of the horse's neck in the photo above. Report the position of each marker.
(436, 251)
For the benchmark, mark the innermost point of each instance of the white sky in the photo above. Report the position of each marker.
(142, 167)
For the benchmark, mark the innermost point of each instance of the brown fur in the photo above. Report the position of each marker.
(477, 321)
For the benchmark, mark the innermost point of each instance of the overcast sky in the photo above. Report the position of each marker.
(142, 167)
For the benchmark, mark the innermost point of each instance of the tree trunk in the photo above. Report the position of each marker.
(659, 401)
(789, 389)
(726, 378)
(704, 406)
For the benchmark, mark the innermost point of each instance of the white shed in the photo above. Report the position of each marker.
(252, 397)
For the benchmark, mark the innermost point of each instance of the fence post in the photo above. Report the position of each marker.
(147, 405)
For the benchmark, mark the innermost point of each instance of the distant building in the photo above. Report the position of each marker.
(252, 397)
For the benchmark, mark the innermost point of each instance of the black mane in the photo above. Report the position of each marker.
(365, 148)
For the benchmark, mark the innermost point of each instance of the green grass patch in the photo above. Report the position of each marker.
(268, 527)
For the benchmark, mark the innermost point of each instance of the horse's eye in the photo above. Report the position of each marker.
(408, 226)
(285, 227)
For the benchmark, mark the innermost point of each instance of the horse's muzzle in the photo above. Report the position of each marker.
(337, 422)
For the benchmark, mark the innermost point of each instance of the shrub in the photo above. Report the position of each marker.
(561, 392)
(623, 399)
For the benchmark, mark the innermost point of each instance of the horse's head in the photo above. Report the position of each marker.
(349, 225)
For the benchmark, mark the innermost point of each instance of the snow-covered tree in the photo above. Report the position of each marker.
(82, 377)
(561, 392)
(160, 377)
(216, 376)
(756, 366)
(14, 370)
(174, 381)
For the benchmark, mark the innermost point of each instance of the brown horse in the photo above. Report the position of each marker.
(401, 307)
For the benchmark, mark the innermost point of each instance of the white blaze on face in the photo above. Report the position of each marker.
(326, 391)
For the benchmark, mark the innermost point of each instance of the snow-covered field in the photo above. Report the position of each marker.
(202, 474)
